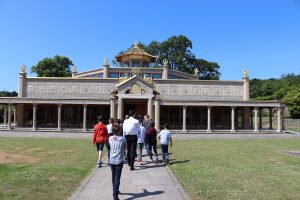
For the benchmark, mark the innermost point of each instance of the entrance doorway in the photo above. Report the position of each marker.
(139, 106)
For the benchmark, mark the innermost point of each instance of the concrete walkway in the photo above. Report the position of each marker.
(148, 181)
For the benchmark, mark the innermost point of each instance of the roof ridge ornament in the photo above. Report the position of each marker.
(196, 71)
(105, 64)
(165, 63)
(245, 74)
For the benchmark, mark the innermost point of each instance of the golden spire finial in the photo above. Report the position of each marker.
(245, 73)
(136, 43)
(23, 68)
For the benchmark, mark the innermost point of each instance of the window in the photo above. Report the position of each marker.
(156, 76)
(145, 64)
(100, 75)
(135, 63)
(146, 75)
(126, 64)
(113, 75)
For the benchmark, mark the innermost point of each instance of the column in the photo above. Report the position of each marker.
(232, 119)
(59, 117)
(184, 119)
(112, 108)
(9, 117)
(279, 128)
(283, 122)
(5, 115)
(208, 119)
(157, 114)
(120, 108)
(251, 118)
(15, 115)
(149, 110)
(34, 117)
(255, 120)
(260, 118)
(84, 117)
(270, 119)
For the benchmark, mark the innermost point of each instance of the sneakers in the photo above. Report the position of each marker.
(99, 165)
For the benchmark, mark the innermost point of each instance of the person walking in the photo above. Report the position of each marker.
(146, 122)
(131, 130)
(151, 142)
(165, 138)
(110, 133)
(140, 143)
(100, 138)
(117, 150)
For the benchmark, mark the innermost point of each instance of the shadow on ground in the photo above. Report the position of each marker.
(174, 161)
(145, 193)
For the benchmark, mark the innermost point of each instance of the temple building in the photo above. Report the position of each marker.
(186, 103)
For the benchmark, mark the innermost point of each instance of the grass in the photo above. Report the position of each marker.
(35, 168)
(237, 169)
(294, 129)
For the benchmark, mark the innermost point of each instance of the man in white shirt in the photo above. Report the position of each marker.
(131, 131)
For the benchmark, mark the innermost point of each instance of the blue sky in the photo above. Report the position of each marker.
(262, 36)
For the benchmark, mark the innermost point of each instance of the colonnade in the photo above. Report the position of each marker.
(257, 115)
(8, 115)
(257, 126)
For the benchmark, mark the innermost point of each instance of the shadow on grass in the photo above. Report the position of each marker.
(174, 161)
(145, 193)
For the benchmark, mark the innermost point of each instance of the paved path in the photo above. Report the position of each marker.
(186, 136)
(149, 181)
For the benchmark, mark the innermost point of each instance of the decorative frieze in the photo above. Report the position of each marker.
(201, 92)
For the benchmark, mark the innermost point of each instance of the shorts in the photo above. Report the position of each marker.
(99, 146)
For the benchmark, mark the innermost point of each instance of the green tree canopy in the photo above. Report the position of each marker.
(58, 66)
(178, 51)
(292, 100)
(5, 93)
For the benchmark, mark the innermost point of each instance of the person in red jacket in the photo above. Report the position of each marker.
(100, 138)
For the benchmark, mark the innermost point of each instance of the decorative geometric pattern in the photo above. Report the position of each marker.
(237, 91)
(52, 88)
(96, 88)
(217, 90)
(74, 88)
(207, 90)
(85, 88)
(184, 90)
(30, 88)
(173, 89)
(63, 88)
(227, 91)
(42, 88)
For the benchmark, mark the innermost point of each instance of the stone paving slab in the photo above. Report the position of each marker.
(150, 181)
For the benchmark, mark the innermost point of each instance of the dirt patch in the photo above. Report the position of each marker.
(13, 158)
(52, 178)
(34, 149)
(64, 151)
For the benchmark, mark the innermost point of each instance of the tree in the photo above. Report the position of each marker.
(178, 51)
(5, 93)
(208, 70)
(292, 100)
(58, 66)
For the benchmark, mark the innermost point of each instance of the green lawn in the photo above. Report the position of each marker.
(237, 169)
(35, 168)
(294, 129)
